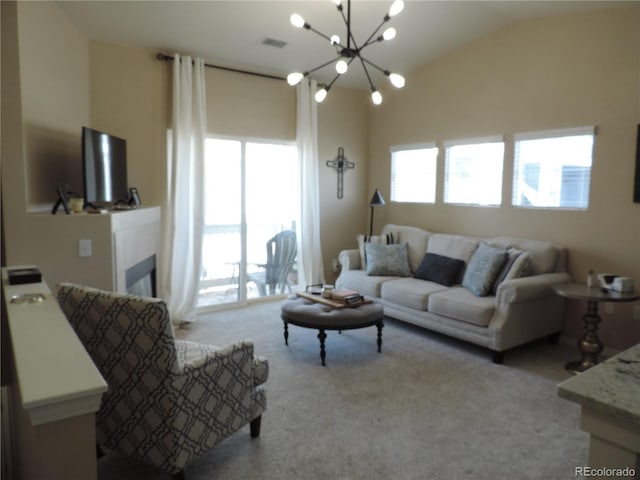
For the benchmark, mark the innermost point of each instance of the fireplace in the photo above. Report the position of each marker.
(141, 278)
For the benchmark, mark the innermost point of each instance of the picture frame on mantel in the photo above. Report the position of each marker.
(636, 189)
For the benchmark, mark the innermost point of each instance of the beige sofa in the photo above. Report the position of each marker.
(521, 306)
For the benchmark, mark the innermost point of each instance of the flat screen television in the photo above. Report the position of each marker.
(104, 168)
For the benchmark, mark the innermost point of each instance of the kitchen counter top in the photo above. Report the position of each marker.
(610, 388)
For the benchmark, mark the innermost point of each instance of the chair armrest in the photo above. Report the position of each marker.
(200, 355)
(349, 259)
(529, 288)
(233, 364)
(214, 392)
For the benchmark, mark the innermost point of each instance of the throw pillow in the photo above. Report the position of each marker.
(439, 269)
(517, 266)
(377, 239)
(484, 267)
(387, 260)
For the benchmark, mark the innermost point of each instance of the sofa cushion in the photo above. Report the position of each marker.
(454, 246)
(377, 239)
(439, 269)
(544, 255)
(415, 238)
(483, 269)
(410, 292)
(461, 304)
(387, 260)
(359, 281)
(516, 266)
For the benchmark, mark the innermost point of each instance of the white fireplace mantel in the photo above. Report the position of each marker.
(118, 240)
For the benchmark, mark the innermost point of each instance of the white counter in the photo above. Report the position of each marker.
(56, 377)
(609, 394)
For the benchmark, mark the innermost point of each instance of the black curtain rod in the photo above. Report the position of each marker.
(169, 58)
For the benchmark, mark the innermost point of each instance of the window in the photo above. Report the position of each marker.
(473, 172)
(413, 173)
(553, 169)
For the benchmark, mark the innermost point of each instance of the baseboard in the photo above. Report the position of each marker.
(572, 341)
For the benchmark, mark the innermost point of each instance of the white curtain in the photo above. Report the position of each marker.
(310, 268)
(184, 209)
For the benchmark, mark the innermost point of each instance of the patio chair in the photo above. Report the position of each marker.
(169, 401)
(281, 259)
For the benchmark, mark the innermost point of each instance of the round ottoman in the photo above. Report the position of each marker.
(306, 313)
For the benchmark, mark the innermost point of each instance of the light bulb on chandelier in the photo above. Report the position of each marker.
(396, 8)
(389, 34)
(396, 80)
(376, 97)
(294, 78)
(351, 52)
(321, 95)
(297, 20)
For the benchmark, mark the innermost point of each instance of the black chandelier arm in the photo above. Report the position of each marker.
(339, 74)
(366, 71)
(317, 32)
(333, 81)
(347, 22)
(386, 72)
(322, 66)
(369, 40)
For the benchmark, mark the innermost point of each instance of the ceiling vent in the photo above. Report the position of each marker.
(272, 42)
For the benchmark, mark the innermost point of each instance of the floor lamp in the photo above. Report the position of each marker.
(376, 200)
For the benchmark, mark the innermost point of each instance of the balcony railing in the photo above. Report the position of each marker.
(220, 280)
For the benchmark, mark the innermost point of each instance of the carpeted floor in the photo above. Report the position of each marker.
(427, 407)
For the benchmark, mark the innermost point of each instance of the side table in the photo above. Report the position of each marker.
(590, 345)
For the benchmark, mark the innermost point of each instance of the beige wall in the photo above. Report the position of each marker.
(45, 66)
(54, 70)
(536, 75)
(343, 121)
(130, 99)
(541, 74)
(131, 96)
(127, 92)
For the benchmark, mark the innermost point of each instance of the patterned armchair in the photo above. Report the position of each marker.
(168, 400)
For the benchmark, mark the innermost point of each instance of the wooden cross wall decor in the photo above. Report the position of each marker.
(340, 163)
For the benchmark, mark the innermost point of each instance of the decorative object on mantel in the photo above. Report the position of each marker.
(376, 200)
(349, 52)
(340, 163)
(62, 201)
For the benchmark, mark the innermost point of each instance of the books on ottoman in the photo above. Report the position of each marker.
(348, 297)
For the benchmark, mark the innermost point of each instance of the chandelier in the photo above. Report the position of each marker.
(350, 52)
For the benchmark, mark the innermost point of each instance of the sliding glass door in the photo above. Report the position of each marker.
(252, 195)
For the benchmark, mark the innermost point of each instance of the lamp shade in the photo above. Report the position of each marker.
(377, 199)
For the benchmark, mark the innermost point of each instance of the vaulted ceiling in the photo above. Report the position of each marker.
(232, 33)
